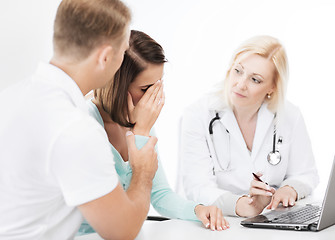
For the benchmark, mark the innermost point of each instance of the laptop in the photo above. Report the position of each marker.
(308, 217)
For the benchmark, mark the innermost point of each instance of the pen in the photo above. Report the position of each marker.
(259, 178)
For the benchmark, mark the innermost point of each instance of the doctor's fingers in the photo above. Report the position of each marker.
(260, 185)
(274, 204)
(288, 201)
(257, 191)
(291, 201)
(285, 201)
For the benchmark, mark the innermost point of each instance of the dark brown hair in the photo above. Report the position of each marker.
(113, 97)
(82, 25)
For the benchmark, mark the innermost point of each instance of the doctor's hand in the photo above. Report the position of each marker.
(211, 217)
(147, 110)
(260, 195)
(260, 192)
(247, 207)
(285, 195)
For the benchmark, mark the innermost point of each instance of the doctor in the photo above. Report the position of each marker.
(247, 127)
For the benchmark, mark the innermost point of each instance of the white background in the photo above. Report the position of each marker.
(199, 37)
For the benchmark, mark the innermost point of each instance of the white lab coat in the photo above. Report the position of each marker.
(219, 167)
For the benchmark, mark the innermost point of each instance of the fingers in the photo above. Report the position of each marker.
(275, 203)
(157, 91)
(151, 93)
(288, 201)
(219, 217)
(270, 204)
(260, 185)
(285, 202)
(260, 188)
(285, 195)
(130, 138)
(159, 95)
(151, 142)
(221, 222)
(203, 214)
(160, 103)
(291, 201)
(211, 217)
(225, 223)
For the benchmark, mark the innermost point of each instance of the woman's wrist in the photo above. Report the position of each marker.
(141, 131)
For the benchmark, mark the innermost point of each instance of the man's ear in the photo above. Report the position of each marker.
(105, 55)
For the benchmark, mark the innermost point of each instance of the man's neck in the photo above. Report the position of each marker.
(76, 70)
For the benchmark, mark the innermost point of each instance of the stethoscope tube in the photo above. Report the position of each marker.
(211, 123)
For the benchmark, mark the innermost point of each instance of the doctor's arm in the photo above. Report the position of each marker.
(301, 176)
(197, 167)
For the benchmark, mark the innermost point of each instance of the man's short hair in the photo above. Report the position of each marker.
(82, 25)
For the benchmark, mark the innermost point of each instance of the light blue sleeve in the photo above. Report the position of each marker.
(165, 201)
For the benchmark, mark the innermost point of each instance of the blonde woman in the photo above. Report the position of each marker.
(248, 127)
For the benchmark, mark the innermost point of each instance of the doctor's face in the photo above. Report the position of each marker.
(250, 80)
(145, 80)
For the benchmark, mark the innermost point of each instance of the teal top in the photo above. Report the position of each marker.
(165, 201)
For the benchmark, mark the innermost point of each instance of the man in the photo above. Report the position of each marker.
(55, 161)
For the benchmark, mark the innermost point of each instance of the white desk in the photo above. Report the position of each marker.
(178, 229)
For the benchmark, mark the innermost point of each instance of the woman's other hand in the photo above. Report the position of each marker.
(211, 217)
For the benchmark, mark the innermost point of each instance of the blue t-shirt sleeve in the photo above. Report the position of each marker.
(165, 201)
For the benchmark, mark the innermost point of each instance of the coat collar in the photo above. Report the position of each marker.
(53, 75)
(264, 121)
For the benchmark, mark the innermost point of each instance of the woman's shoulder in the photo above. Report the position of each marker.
(94, 111)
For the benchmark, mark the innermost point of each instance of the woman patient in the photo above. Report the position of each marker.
(133, 100)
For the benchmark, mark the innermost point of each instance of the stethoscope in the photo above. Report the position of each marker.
(274, 156)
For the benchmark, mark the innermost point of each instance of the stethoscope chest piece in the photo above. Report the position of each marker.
(274, 158)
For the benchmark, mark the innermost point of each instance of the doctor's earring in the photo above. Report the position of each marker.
(269, 96)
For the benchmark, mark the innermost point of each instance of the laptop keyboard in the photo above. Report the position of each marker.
(301, 215)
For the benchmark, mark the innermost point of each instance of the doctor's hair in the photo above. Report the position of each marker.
(83, 25)
(113, 97)
(270, 48)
